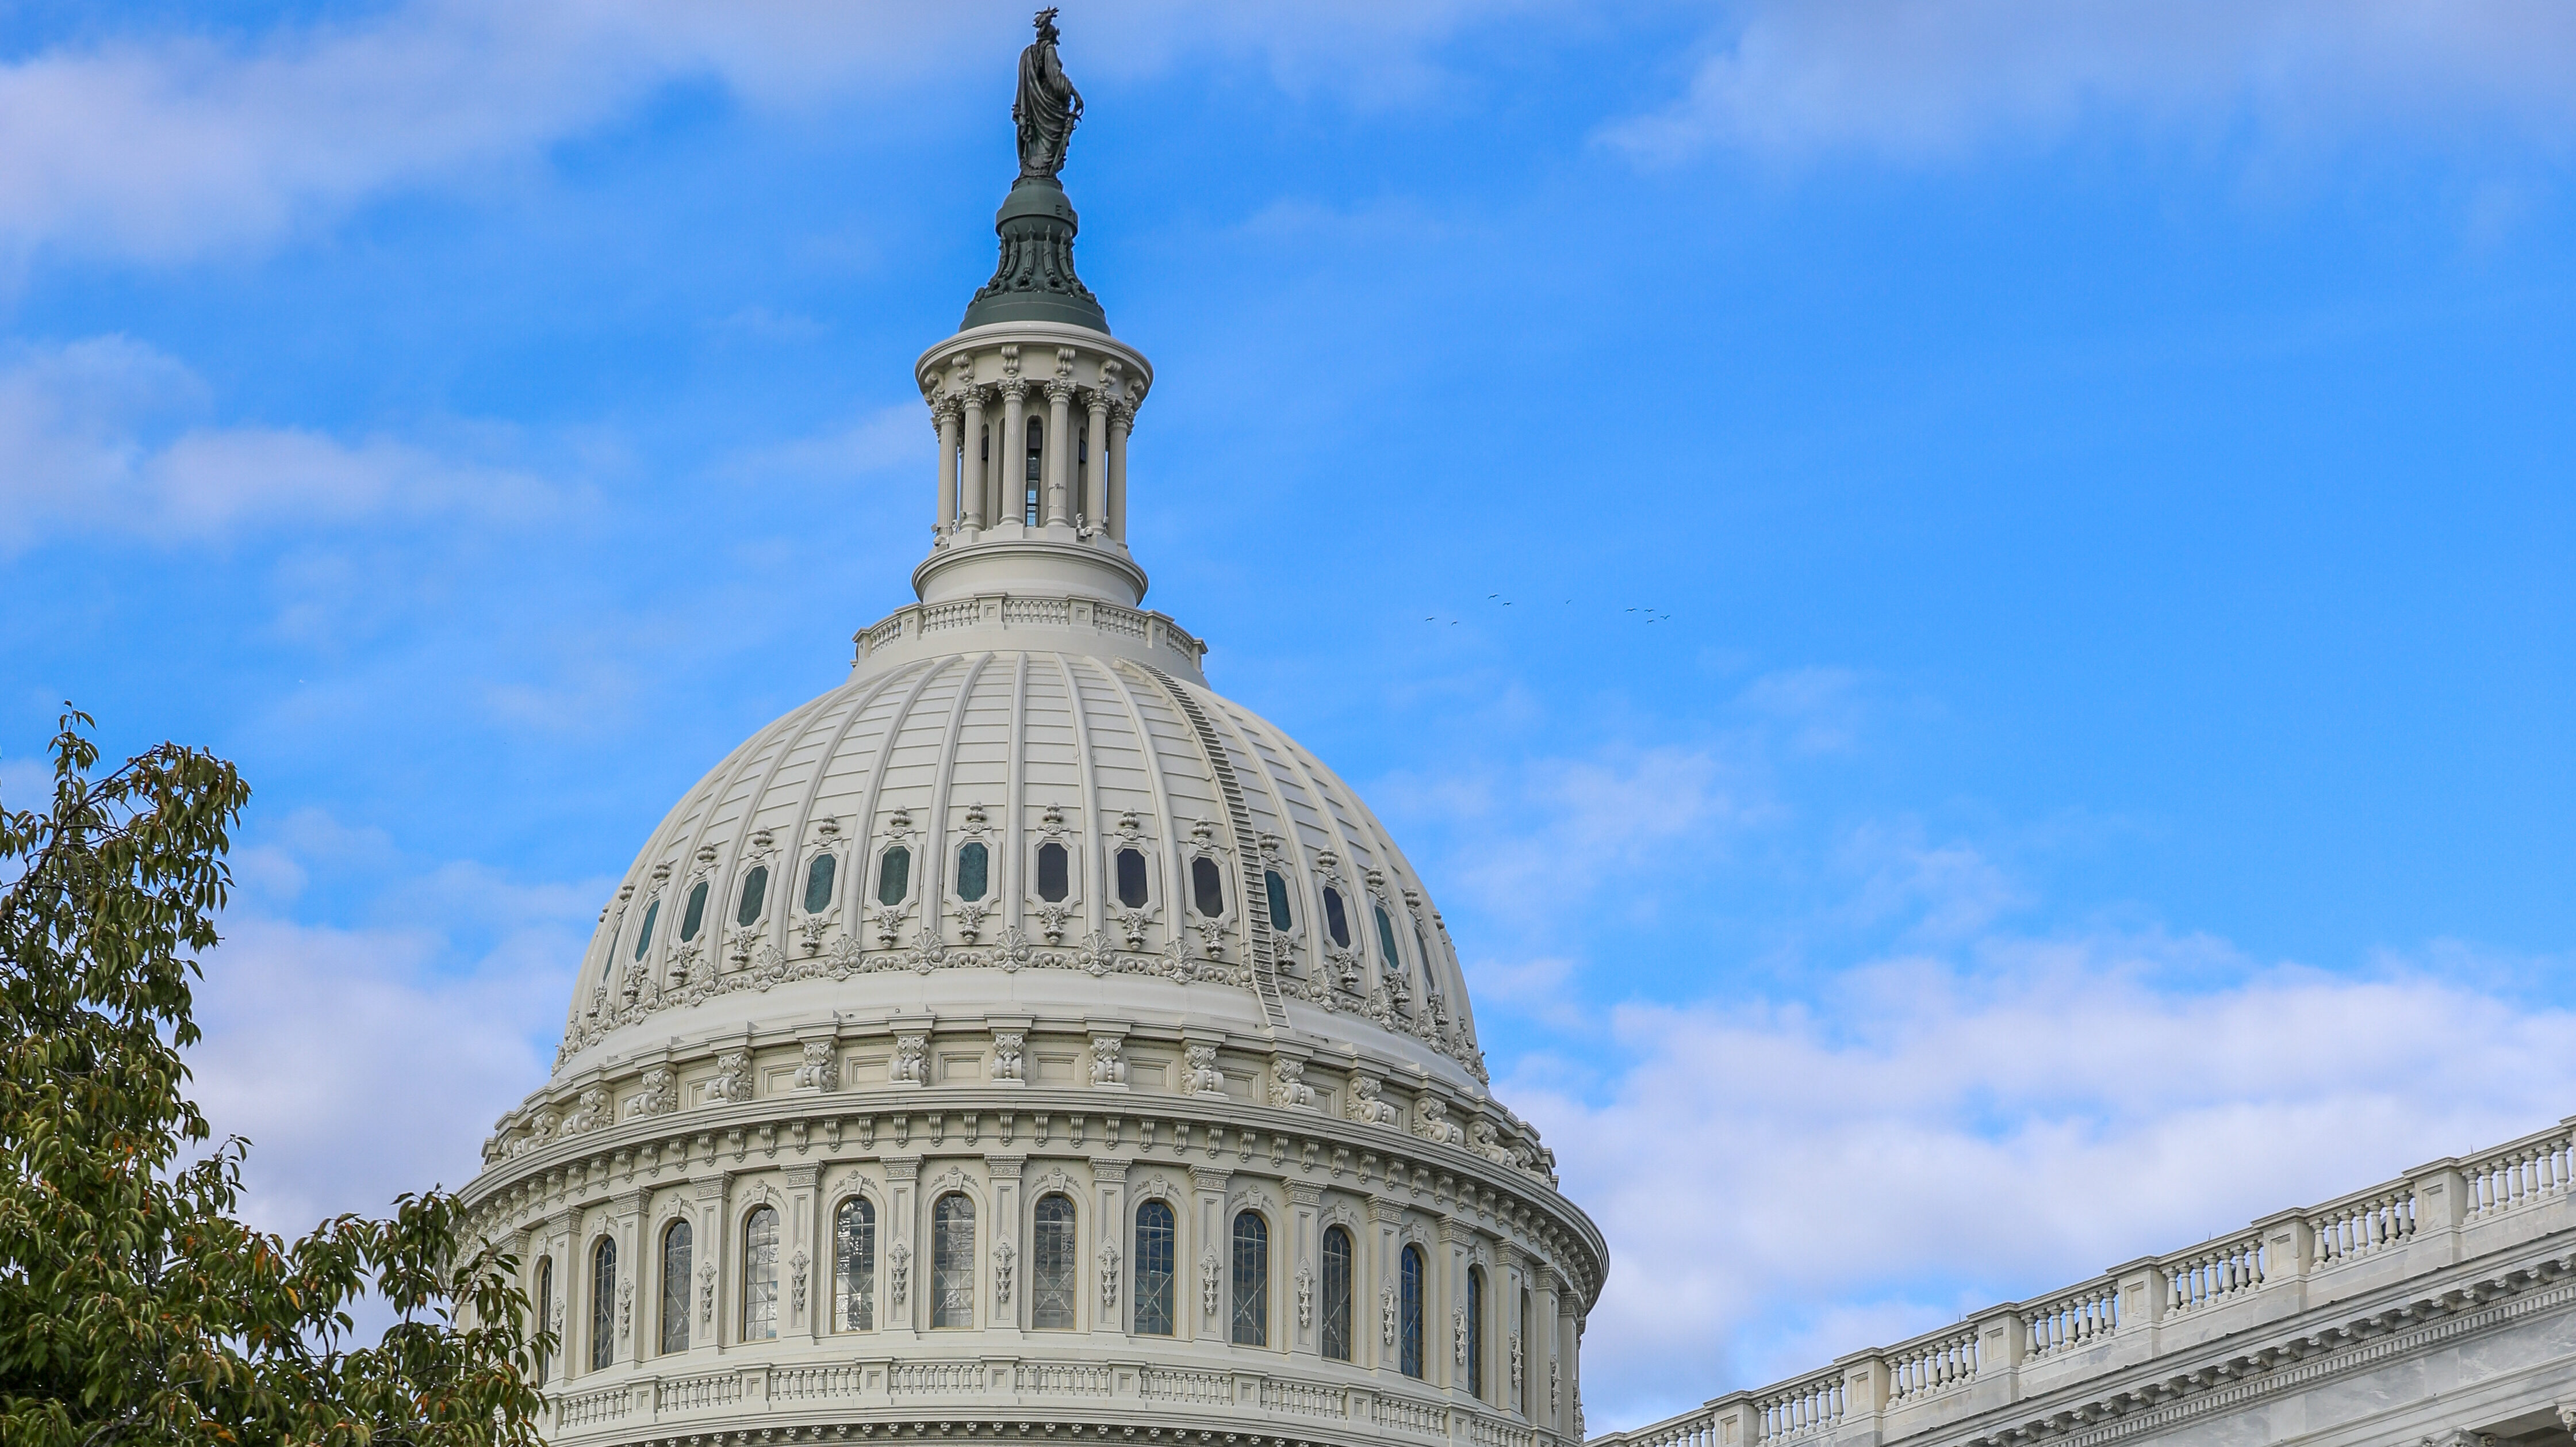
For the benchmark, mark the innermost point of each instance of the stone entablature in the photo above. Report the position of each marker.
(1067, 624)
(2441, 1302)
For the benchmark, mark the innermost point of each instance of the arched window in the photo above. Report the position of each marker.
(1251, 1280)
(1277, 889)
(1386, 939)
(974, 862)
(1037, 450)
(854, 1266)
(603, 1304)
(1154, 1251)
(755, 895)
(760, 1276)
(1408, 1314)
(694, 917)
(1476, 1332)
(1337, 921)
(952, 1261)
(545, 1309)
(1528, 1403)
(1055, 877)
(818, 882)
(1207, 887)
(644, 931)
(1131, 878)
(894, 875)
(1054, 1266)
(1337, 1293)
(675, 1286)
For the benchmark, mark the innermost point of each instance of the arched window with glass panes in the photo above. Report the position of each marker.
(1408, 1312)
(603, 1304)
(1337, 1294)
(1055, 1265)
(760, 1275)
(952, 1261)
(1249, 1322)
(677, 1265)
(854, 1265)
(1155, 1246)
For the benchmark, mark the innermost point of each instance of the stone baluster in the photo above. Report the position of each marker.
(1059, 450)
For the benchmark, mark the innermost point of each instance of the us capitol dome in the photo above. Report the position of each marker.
(1022, 1042)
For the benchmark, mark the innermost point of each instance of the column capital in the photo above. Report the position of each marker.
(1059, 390)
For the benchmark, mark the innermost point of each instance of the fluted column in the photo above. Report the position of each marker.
(1095, 465)
(1010, 455)
(975, 445)
(1122, 420)
(1059, 449)
(943, 414)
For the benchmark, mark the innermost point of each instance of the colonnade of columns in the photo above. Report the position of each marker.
(988, 460)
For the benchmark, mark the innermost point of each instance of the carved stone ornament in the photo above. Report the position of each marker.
(625, 1307)
(1006, 1054)
(661, 1094)
(911, 1060)
(898, 1271)
(591, 1114)
(733, 1078)
(796, 1282)
(1305, 1296)
(1489, 1145)
(1458, 1333)
(1108, 1060)
(822, 1068)
(707, 1294)
(1386, 1314)
(1209, 1265)
(1202, 1078)
(1004, 1253)
(1288, 1087)
(1365, 1106)
(1431, 1122)
(1108, 1276)
(1516, 1363)
(1555, 1386)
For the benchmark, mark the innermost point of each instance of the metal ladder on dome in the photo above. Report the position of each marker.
(1251, 889)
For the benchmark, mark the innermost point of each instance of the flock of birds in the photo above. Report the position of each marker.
(1652, 615)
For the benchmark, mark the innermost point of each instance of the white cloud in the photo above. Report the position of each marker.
(1919, 79)
(1781, 1184)
(362, 1063)
(96, 437)
(168, 147)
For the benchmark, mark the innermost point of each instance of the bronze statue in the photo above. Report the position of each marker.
(1047, 106)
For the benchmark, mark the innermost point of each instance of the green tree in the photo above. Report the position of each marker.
(134, 1307)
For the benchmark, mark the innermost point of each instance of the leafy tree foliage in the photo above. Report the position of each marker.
(134, 1307)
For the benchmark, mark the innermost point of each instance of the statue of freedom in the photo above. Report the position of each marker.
(1047, 106)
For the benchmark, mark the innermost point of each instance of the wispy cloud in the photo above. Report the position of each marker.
(1930, 79)
(102, 437)
(1783, 1183)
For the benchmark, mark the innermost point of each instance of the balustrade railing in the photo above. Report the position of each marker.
(1932, 1368)
(931, 1379)
(2071, 1322)
(591, 1408)
(805, 1384)
(1305, 1399)
(2352, 1230)
(2521, 1175)
(1406, 1415)
(1071, 1379)
(1206, 1389)
(1803, 1408)
(1691, 1429)
(2213, 1274)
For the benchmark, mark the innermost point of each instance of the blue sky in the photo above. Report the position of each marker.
(1962, 603)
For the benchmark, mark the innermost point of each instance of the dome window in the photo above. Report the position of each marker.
(755, 896)
(974, 862)
(894, 875)
(760, 1276)
(544, 1306)
(1408, 1315)
(1476, 1332)
(1036, 451)
(694, 917)
(1154, 1253)
(952, 1261)
(1131, 878)
(1337, 920)
(854, 1265)
(644, 931)
(1207, 887)
(603, 1305)
(675, 1287)
(1054, 1266)
(1386, 939)
(1251, 1325)
(1337, 1294)
(818, 882)
(1055, 875)
(1278, 891)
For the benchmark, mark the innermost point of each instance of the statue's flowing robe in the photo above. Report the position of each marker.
(1047, 107)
